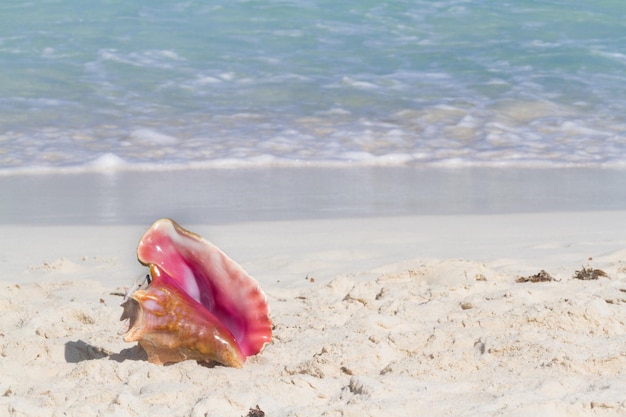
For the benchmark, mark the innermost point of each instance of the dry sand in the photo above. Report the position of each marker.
(373, 317)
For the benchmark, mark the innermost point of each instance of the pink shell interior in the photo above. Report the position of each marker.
(211, 278)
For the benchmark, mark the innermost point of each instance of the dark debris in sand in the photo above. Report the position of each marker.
(541, 276)
(255, 412)
(589, 274)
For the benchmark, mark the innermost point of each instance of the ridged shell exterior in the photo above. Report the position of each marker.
(172, 327)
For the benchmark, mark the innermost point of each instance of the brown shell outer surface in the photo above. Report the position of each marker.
(170, 330)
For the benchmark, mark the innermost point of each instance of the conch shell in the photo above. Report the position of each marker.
(197, 303)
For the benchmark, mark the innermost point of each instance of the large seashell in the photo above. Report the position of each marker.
(197, 303)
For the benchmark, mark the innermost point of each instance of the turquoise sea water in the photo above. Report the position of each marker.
(153, 83)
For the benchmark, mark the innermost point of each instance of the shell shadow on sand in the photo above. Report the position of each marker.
(79, 351)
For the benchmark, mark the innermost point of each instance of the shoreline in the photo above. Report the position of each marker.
(220, 196)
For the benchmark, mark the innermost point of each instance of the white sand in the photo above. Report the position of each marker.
(398, 317)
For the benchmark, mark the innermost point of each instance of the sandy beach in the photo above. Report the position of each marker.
(397, 315)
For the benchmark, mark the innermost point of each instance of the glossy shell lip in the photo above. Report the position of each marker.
(200, 304)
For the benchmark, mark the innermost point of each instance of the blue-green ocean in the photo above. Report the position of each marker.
(152, 83)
